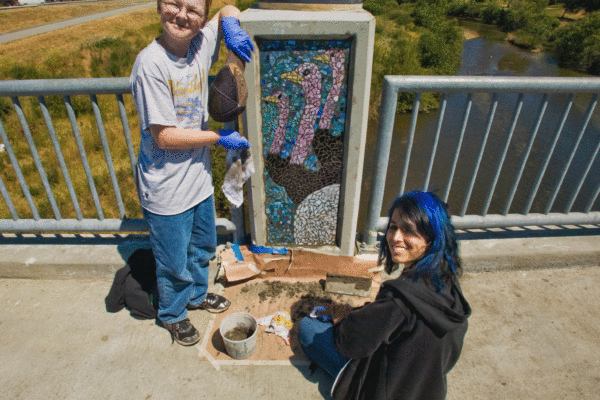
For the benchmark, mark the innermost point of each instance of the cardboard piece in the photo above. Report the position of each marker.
(237, 270)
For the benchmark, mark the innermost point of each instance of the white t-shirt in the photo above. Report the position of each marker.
(173, 91)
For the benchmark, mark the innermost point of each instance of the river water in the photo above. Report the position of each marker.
(488, 54)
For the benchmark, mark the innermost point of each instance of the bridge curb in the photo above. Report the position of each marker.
(100, 258)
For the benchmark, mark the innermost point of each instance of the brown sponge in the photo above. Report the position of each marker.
(228, 93)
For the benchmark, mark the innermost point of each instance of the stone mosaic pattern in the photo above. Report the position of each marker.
(304, 90)
(315, 223)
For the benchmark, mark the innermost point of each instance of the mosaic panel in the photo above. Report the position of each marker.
(304, 86)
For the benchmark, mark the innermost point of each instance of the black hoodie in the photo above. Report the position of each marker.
(403, 344)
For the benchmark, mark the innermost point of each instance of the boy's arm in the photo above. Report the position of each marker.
(174, 138)
(227, 11)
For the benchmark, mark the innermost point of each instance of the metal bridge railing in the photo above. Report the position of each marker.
(512, 168)
(16, 169)
(544, 134)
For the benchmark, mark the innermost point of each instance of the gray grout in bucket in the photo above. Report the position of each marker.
(239, 349)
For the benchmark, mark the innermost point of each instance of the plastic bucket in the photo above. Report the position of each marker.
(238, 331)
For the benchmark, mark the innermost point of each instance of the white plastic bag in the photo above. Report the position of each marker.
(279, 323)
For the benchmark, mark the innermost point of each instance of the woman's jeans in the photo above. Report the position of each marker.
(182, 244)
(316, 339)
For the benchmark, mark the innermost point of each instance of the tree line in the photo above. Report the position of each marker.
(574, 6)
(422, 37)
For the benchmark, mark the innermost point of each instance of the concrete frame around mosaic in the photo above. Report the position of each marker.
(304, 90)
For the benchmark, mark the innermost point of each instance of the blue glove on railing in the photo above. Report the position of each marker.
(236, 39)
(232, 140)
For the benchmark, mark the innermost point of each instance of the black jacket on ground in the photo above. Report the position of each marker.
(134, 287)
(403, 344)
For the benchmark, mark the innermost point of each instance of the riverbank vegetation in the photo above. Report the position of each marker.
(543, 25)
(418, 37)
(412, 39)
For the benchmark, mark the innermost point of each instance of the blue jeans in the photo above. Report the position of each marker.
(316, 339)
(183, 244)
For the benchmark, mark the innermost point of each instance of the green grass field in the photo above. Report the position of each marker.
(22, 18)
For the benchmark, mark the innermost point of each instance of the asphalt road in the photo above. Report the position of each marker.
(24, 33)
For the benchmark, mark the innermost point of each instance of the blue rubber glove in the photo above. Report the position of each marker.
(316, 313)
(236, 39)
(232, 140)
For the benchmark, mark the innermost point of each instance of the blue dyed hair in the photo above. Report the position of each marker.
(423, 213)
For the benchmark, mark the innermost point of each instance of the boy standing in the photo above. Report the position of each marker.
(174, 180)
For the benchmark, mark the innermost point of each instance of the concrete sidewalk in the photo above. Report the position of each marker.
(534, 333)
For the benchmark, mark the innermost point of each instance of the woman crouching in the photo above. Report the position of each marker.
(402, 345)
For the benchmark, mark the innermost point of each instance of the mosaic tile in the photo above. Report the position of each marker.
(303, 88)
(315, 222)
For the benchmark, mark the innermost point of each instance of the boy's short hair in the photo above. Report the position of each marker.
(206, 7)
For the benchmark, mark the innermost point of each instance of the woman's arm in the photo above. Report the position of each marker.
(337, 311)
(364, 330)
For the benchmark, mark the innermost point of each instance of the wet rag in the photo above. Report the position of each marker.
(240, 168)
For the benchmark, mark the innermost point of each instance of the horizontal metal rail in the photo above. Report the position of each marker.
(491, 84)
(224, 225)
(15, 164)
(513, 220)
(64, 87)
(542, 141)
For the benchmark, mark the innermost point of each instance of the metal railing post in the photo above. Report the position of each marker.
(458, 145)
(387, 113)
